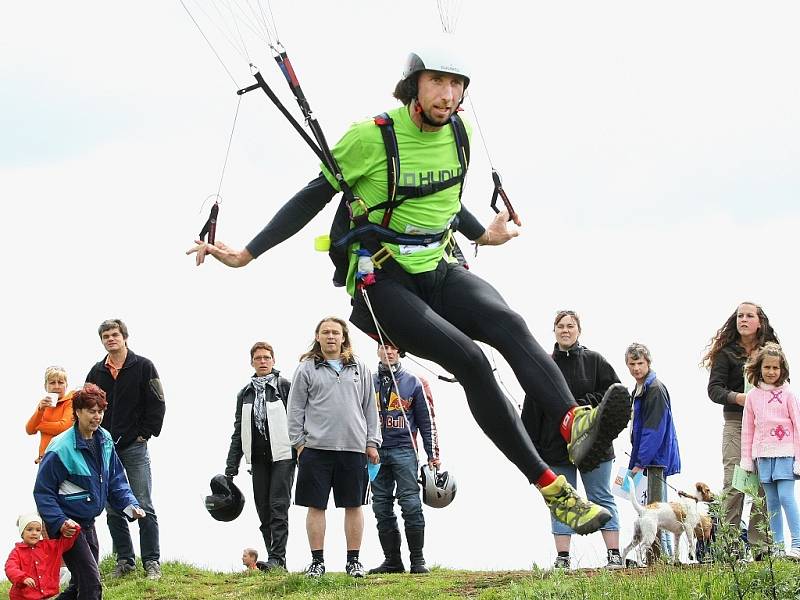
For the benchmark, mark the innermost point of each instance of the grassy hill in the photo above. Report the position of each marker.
(657, 583)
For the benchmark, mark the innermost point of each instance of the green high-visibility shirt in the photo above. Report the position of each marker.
(425, 157)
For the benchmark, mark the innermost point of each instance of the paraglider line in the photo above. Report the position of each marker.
(228, 149)
(391, 372)
(210, 45)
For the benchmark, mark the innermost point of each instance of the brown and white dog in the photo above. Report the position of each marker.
(681, 517)
(705, 530)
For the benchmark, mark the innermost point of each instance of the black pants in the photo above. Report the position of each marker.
(82, 560)
(437, 315)
(272, 491)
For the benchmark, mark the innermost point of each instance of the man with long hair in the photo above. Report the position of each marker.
(394, 250)
(333, 424)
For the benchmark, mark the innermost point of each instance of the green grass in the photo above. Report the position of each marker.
(185, 582)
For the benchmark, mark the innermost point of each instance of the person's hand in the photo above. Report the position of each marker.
(434, 463)
(29, 582)
(43, 403)
(372, 455)
(740, 398)
(69, 528)
(138, 513)
(300, 450)
(498, 232)
(636, 470)
(223, 253)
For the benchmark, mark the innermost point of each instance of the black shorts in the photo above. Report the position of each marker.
(320, 470)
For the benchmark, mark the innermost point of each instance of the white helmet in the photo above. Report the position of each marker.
(438, 489)
(434, 60)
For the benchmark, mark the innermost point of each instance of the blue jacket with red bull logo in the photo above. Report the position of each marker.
(414, 403)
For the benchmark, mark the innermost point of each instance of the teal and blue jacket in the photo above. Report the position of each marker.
(77, 477)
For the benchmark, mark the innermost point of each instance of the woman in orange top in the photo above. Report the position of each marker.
(51, 420)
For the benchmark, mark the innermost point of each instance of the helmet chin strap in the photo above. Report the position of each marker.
(424, 116)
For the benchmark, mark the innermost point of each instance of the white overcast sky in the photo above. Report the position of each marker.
(651, 150)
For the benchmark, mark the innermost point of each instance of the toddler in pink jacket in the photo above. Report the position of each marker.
(771, 440)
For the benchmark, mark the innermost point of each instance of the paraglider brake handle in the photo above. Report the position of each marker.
(499, 191)
(210, 227)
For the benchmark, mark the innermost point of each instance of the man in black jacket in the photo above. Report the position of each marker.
(261, 435)
(134, 414)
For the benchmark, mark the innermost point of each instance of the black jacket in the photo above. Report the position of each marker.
(135, 399)
(588, 376)
(727, 377)
(261, 452)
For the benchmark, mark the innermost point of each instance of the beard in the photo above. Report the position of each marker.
(429, 120)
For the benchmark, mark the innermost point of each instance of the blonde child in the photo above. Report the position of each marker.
(47, 419)
(33, 565)
(771, 440)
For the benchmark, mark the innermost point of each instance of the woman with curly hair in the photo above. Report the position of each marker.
(739, 338)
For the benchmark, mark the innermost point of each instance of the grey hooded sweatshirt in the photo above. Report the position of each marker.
(333, 411)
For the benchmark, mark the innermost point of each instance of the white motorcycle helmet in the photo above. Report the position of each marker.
(435, 60)
(438, 488)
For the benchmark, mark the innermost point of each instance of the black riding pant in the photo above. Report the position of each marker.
(437, 315)
(272, 491)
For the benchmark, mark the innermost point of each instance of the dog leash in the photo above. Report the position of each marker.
(673, 488)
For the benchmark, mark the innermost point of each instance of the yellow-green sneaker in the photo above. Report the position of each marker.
(594, 429)
(568, 507)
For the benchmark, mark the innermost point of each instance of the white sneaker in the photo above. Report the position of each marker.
(793, 553)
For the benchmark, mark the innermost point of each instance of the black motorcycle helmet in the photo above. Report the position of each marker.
(226, 500)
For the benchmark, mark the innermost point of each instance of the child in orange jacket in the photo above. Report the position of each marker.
(33, 565)
(47, 419)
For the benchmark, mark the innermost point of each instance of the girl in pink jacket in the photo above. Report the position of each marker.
(771, 440)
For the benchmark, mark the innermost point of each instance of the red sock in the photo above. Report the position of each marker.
(566, 424)
(545, 479)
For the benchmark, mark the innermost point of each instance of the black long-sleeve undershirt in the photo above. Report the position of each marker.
(309, 201)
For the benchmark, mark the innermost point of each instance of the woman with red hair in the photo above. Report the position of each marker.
(79, 474)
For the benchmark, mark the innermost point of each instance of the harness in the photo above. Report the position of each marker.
(351, 222)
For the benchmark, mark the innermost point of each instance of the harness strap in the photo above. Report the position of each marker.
(386, 125)
(384, 234)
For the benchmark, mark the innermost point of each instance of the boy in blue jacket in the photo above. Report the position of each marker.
(79, 473)
(404, 410)
(653, 439)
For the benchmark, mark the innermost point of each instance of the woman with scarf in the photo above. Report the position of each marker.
(260, 434)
